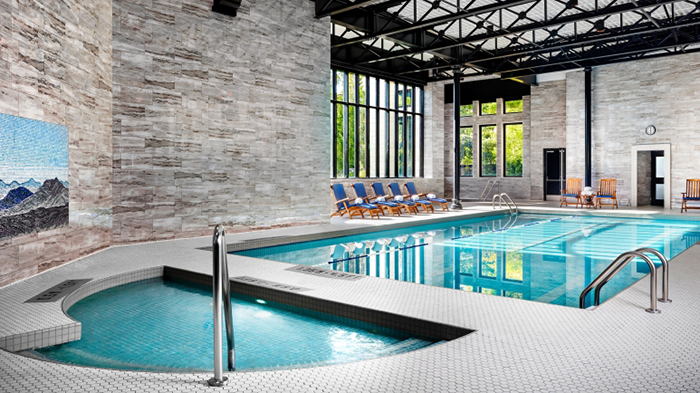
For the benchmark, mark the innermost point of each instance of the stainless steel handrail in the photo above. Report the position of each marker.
(511, 201)
(620, 262)
(513, 209)
(664, 276)
(221, 287)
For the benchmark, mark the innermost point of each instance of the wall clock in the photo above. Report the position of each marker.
(650, 130)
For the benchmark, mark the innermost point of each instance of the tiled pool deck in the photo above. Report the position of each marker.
(517, 346)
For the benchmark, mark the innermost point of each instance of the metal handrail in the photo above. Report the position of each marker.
(221, 287)
(511, 201)
(620, 262)
(664, 276)
(485, 193)
(513, 209)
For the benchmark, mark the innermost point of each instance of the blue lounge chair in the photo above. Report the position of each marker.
(411, 189)
(410, 207)
(424, 203)
(392, 207)
(345, 205)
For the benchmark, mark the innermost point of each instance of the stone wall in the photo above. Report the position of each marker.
(55, 66)
(643, 178)
(218, 119)
(548, 120)
(472, 187)
(627, 98)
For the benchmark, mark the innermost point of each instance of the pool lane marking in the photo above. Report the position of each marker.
(514, 227)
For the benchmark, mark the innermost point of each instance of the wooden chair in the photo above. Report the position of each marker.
(573, 190)
(411, 190)
(410, 207)
(361, 192)
(424, 203)
(345, 205)
(692, 193)
(608, 190)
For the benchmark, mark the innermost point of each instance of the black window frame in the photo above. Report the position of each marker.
(481, 150)
(416, 110)
(505, 146)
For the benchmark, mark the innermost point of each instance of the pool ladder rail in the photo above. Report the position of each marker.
(488, 188)
(504, 198)
(221, 287)
(620, 262)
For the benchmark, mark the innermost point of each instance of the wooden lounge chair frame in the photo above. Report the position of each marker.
(608, 190)
(443, 205)
(692, 193)
(425, 204)
(408, 205)
(394, 210)
(350, 207)
(573, 190)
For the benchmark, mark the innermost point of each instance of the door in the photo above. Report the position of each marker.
(657, 178)
(554, 171)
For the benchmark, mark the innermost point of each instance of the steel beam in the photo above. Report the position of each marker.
(437, 21)
(499, 33)
(334, 7)
(587, 126)
(456, 103)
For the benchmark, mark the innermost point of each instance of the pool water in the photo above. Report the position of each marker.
(157, 325)
(544, 258)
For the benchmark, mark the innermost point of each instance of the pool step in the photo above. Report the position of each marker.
(407, 345)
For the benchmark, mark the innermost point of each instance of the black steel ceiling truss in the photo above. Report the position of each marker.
(507, 37)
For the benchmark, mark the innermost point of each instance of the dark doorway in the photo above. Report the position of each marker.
(657, 177)
(554, 171)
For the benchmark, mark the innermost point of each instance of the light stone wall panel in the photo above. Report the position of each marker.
(218, 119)
(548, 118)
(56, 66)
(626, 99)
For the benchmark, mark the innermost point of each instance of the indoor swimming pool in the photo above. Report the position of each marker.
(543, 258)
(164, 325)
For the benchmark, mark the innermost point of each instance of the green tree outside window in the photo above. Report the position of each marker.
(489, 108)
(466, 110)
(514, 106)
(488, 151)
(513, 149)
(466, 146)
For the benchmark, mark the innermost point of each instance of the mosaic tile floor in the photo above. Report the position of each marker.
(518, 346)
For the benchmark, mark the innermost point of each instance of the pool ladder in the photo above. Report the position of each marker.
(488, 188)
(512, 207)
(221, 287)
(620, 262)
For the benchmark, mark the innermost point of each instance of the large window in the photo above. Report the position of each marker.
(513, 149)
(466, 155)
(489, 108)
(377, 127)
(466, 110)
(488, 151)
(514, 106)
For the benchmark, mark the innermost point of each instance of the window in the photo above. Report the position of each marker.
(514, 266)
(514, 106)
(488, 108)
(466, 155)
(513, 149)
(377, 127)
(489, 264)
(488, 151)
(466, 110)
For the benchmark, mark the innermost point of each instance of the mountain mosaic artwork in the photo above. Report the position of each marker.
(33, 176)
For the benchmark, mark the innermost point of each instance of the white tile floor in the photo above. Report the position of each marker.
(518, 346)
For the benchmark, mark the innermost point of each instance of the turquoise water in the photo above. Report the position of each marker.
(158, 325)
(544, 258)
